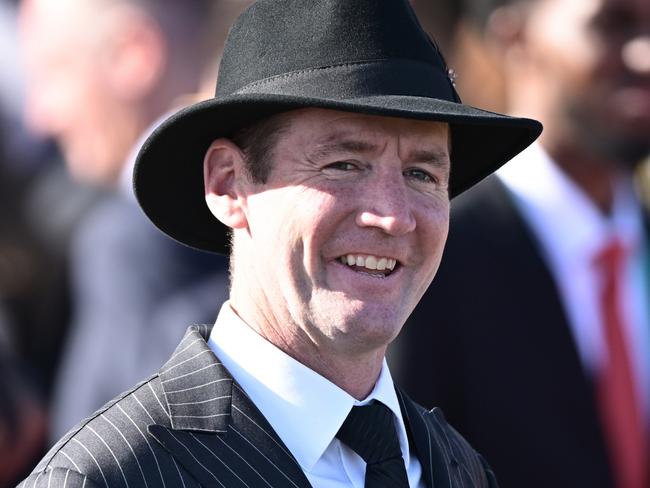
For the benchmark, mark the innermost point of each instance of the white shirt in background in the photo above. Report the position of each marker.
(571, 231)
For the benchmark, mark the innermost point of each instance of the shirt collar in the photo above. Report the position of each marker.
(289, 394)
(556, 202)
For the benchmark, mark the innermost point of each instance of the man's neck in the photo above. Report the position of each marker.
(352, 371)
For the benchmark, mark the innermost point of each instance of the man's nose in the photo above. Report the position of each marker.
(386, 206)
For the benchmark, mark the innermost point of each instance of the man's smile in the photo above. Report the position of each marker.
(380, 266)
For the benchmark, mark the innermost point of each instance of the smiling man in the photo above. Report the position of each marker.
(324, 269)
(324, 165)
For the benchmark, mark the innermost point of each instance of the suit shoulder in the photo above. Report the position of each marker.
(112, 447)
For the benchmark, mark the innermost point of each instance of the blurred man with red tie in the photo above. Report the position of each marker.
(549, 322)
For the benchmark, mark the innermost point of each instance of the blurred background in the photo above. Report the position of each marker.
(535, 336)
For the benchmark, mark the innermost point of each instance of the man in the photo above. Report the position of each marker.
(101, 73)
(525, 320)
(326, 170)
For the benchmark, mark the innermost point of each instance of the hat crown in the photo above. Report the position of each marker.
(276, 37)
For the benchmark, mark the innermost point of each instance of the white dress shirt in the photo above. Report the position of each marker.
(305, 409)
(571, 230)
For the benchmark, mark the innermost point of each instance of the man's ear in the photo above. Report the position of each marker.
(137, 55)
(223, 170)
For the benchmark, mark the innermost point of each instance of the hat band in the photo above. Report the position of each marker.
(361, 79)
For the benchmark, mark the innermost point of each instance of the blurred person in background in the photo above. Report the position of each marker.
(540, 308)
(101, 73)
(39, 207)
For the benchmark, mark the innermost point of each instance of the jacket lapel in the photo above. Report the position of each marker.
(447, 460)
(434, 461)
(216, 432)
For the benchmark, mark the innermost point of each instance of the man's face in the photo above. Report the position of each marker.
(69, 96)
(349, 229)
(594, 56)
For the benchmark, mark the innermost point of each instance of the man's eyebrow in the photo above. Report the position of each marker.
(436, 157)
(336, 145)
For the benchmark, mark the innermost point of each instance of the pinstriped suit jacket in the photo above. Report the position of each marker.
(191, 425)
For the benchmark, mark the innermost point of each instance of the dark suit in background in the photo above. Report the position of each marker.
(490, 344)
(122, 270)
(134, 287)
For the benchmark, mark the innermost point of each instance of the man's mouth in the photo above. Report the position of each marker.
(366, 263)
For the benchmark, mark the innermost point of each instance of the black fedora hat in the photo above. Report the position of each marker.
(365, 56)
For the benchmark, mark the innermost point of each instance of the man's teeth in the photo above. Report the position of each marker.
(369, 262)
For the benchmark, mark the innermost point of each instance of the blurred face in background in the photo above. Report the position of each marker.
(74, 93)
(593, 58)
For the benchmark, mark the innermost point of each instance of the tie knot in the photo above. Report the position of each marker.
(370, 432)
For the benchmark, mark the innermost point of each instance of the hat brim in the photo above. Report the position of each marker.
(168, 175)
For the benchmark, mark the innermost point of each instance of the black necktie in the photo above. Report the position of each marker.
(370, 432)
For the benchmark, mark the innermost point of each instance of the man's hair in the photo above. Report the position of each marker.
(258, 141)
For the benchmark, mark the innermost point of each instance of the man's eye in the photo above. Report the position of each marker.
(420, 175)
(342, 165)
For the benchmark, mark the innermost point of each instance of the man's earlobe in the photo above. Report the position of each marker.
(222, 170)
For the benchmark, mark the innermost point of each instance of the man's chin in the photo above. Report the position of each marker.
(611, 136)
(627, 152)
(373, 325)
(624, 145)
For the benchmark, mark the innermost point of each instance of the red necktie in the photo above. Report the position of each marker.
(620, 406)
